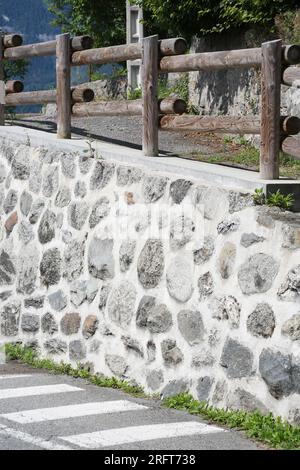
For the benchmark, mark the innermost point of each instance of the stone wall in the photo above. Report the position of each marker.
(167, 282)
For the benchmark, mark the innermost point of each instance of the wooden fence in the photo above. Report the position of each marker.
(164, 56)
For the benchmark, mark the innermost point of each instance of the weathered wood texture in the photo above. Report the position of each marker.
(150, 101)
(13, 86)
(45, 48)
(63, 84)
(78, 95)
(222, 124)
(173, 46)
(82, 95)
(12, 40)
(291, 146)
(270, 114)
(2, 85)
(291, 76)
(172, 106)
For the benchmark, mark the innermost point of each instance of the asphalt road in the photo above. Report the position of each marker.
(39, 410)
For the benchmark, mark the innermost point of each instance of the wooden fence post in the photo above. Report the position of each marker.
(2, 85)
(270, 112)
(150, 98)
(63, 85)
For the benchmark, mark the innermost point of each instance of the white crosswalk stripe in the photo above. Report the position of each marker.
(29, 439)
(37, 390)
(120, 436)
(73, 411)
(20, 376)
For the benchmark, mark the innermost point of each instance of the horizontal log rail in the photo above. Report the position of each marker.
(47, 96)
(127, 108)
(14, 86)
(12, 40)
(47, 48)
(291, 76)
(291, 146)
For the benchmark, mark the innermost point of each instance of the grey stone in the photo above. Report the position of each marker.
(294, 416)
(248, 239)
(203, 358)
(102, 174)
(121, 304)
(239, 201)
(179, 279)
(126, 254)
(68, 165)
(50, 267)
(7, 269)
(58, 300)
(154, 379)
(151, 351)
(10, 201)
(204, 386)
(295, 371)
(153, 188)
(63, 197)
(28, 263)
(30, 323)
(261, 322)
(5, 295)
(36, 211)
(116, 364)
(85, 163)
(104, 293)
(236, 359)
(83, 290)
(191, 326)
(209, 200)
(205, 286)
(226, 260)
(290, 288)
(171, 354)
(55, 346)
(226, 308)
(159, 319)
(90, 326)
(291, 236)
(49, 155)
(77, 214)
(59, 220)
(25, 203)
(25, 232)
(70, 323)
(133, 345)
(21, 163)
(228, 225)
(100, 210)
(2, 173)
(175, 387)
(179, 189)
(127, 175)
(73, 259)
(257, 273)
(77, 350)
(275, 369)
(50, 180)
(48, 324)
(291, 328)
(243, 400)
(206, 251)
(10, 318)
(145, 306)
(150, 265)
(181, 232)
(46, 231)
(100, 258)
(80, 189)
(94, 346)
(35, 179)
(35, 302)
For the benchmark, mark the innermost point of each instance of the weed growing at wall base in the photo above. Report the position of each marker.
(267, 429)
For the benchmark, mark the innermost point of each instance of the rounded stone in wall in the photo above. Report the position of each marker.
(90, 326)
(226, 260)
(77, 350)
(171, 353)
(261, 322)
(78, 213)
(179, 189)
(46, 231)
(175, 387)
(150, 265)
(55, 346)
(100, 258)
(205, 286)
(50, 267)
(121, 304)
(205, 252)
(179, 279)
(154, 379)
(10, 201)
(48, 324)
(257, 273)
(291, 328)
(290, 288)
(204, 386)
(63, 197)
(159, 319)
(70, 323)
(276, 370)
(154, 188)
(236, 359)
(30, 323)
(191, 326)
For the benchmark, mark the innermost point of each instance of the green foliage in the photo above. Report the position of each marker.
(134, 93)
(283, 201)
(117, 72)
(275, 432)
(259, 197)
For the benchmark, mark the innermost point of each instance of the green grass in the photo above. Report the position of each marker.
(274, 432)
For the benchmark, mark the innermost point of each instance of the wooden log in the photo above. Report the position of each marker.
(44, 48)
(12, 40)
(82, 95)
(270, 114)
(173, 46)
(290, 125)
(291, 146)
(47, 96)
(222, 124)
(291, 76)
(63, 83)
(2, 84)
(291, 54)
(172, 106)
(14, 86)
(150, 90)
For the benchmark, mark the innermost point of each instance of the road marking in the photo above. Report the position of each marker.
(29, 439)
(38, 390)
(15, 376)
(119, 436)
(72, 411)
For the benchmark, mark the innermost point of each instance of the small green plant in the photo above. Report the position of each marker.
(259, 197)
(134, 93)
(284, 201)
